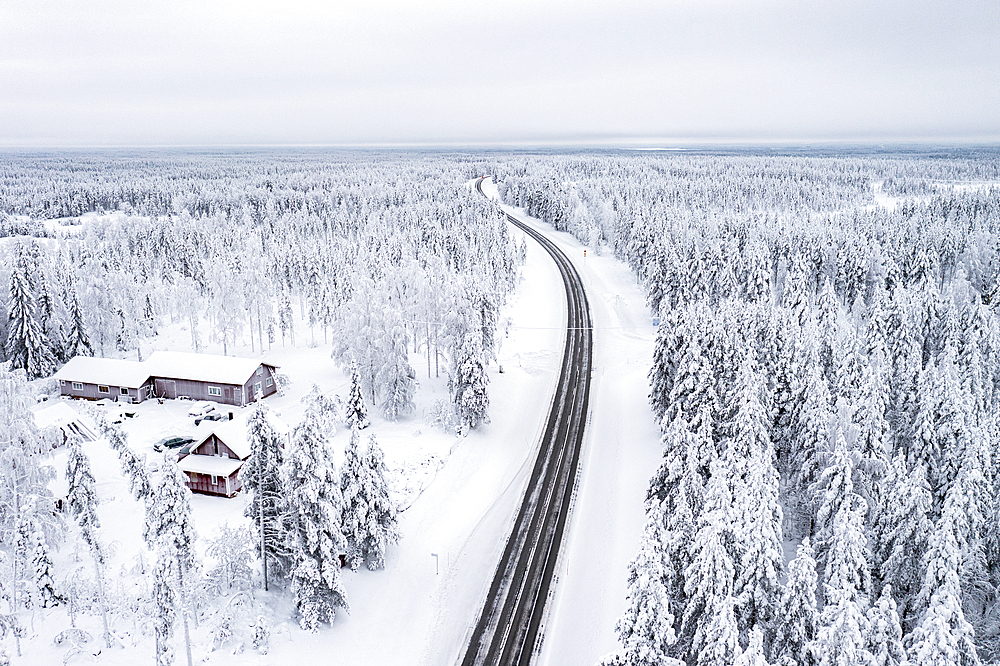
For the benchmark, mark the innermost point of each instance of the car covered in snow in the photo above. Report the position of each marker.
(211, 416)
(172, 443)
(200, 409)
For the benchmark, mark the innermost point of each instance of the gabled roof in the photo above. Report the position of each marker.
(104, 371)
(202, 367)
(234, 433)
(213, 465)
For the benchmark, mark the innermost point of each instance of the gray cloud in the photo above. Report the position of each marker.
(442, 71)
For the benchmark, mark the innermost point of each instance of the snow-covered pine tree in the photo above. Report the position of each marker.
(468, 385)
(840, 639)
(357, 413)
(261, 475)
(355, 512)
(27, 345)
(904, 531)
(165, 609)
(884, 636)
(32, 551)
(709, 630)
(170, 533)
(646, 630)
(754, 654)
(797, 616)
(314, 509)
(382, 529)
(82, 499)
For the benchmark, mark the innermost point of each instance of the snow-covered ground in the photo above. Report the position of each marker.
(461, 493)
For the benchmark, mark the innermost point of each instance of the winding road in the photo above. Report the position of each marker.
(509, 626)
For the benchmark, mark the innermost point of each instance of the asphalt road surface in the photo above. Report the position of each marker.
(508, 628)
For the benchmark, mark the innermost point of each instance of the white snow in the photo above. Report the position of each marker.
(202, 367)
(460, 494)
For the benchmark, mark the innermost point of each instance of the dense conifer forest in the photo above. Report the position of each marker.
(826, 377)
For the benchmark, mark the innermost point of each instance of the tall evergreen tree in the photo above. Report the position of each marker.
(313, 525)
(884, 637)
(261, 475)
(27, 345)
(646, 630)
(797, 617)
(82, 499)
(357, 413)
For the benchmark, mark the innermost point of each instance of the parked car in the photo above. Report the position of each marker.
(201, 408)
(211, 416)
(172, 443)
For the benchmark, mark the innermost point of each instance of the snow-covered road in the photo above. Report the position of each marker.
(621, 452)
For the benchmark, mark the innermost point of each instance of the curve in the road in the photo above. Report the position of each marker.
(508, 627)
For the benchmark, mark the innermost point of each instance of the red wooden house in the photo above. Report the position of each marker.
(214, 464)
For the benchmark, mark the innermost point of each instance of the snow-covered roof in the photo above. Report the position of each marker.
(214, 465)
(202, 367)
(234, 433)
(105, 371)
(61, 415)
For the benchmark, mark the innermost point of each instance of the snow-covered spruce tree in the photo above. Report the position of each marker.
(709, 631)
(313, 510)
(754, 654)
(355, 509)
(77, 342)
(678, 488)
(796, 616)
(27, 345)
(836, 490)
(756, 514)
(468, 385)
(261, 475)
(943, 635)
(32, 551)
(82, 499)
(164, 610)
(693, 393)
(357, 413)
(905, 529)
(884, 636)
(840, 639)
(170, 533)
(646, 630)
(382, 528)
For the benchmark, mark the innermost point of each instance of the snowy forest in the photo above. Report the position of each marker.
(383, 259)
(826, 380)
(379, 254)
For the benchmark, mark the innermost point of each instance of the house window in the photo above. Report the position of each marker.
(214, 480)
(103, 389)
(214, 390)
(256, 389)
(77, 386)
(269, 381)
(124, 391)
(260, 370)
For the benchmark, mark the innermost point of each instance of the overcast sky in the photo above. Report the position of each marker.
(138, 72)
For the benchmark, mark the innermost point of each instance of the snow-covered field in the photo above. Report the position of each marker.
(460, 493)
